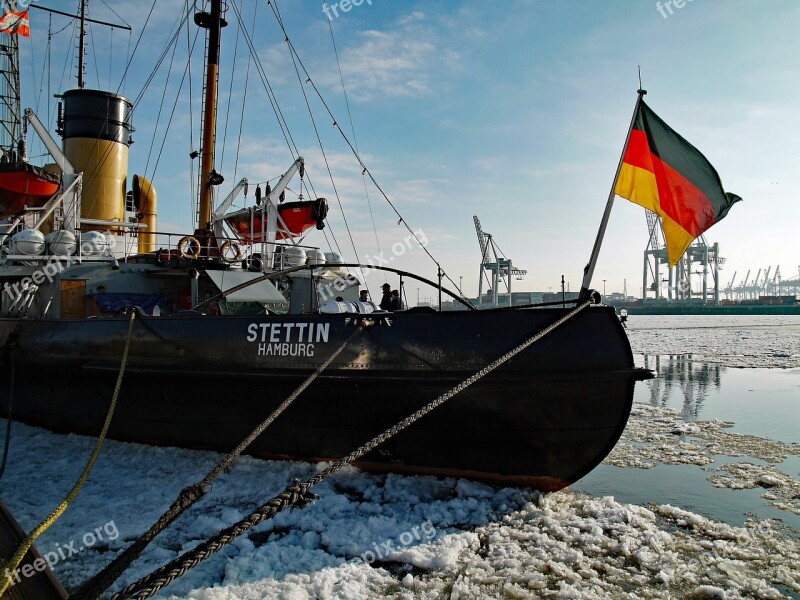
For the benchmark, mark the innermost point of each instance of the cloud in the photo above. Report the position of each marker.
(392, 63)
(387, 63)
(413, 18)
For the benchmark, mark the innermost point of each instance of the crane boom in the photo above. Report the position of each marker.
(653, 227)
(495, 266)
(483, 238)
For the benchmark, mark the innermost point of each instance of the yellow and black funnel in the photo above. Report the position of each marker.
(96, 128)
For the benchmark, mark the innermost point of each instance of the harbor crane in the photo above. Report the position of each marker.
(741, 290)
(753, 289)
(729, 290)
(497, 264)
(679, 278)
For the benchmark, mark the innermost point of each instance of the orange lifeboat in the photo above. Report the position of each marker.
(23, 184)
(298, 217)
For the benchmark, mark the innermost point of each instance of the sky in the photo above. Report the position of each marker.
(515, 112)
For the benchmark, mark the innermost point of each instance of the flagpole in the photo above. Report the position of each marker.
(588, 271)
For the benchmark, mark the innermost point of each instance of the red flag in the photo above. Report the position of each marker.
(16, 22)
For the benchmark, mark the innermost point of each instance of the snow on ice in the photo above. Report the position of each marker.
(398, 537)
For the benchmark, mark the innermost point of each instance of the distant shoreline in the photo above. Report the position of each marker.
(688, 309)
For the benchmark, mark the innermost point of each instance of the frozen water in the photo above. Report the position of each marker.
(418, 537)
(730, 340)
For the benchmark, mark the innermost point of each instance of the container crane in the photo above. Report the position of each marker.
(679, 278)
(742, 289)
(494, 261)
(765, 284)
(729, 290)
(754, 286)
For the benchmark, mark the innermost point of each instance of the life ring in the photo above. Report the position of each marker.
(189, 247)
(225, 251)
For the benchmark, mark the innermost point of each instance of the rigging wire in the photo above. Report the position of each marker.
(228, 109)
(94, 54)
(174, 44)
(356, 154)
(69, 59)
(319, 141)
(127, 58)
(136, 47)
(282, 123)
(192, 176)
(171, 115)
(49, 66)
(355, 141)
(172, 40)
(287, 135)
(244, 100)
(115, 13)
(111, 57)
(68, 65)
(107, 153)
(33, 69)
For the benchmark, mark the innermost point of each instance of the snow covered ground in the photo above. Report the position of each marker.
(373, 536)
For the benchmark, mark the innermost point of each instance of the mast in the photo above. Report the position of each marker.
(82, 46)
(10, 113)
(214, 22)
(588, 271)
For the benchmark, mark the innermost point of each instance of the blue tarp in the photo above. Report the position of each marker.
(111, 303)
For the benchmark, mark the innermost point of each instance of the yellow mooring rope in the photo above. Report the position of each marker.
(15, 560)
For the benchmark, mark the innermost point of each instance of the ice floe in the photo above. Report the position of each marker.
(783, 491)
(397, 537)
(658, 435)
(733, 341)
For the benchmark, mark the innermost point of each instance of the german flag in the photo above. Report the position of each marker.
(667, 175)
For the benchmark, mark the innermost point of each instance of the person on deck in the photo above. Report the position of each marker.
(363, 296)
(395, 303)
(386, 301)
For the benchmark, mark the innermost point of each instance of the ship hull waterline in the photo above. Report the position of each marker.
(543, 420)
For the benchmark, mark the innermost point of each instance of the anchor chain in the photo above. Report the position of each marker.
(298, 495)
(93, 588)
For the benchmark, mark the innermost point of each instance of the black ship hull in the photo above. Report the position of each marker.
(544, 419)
